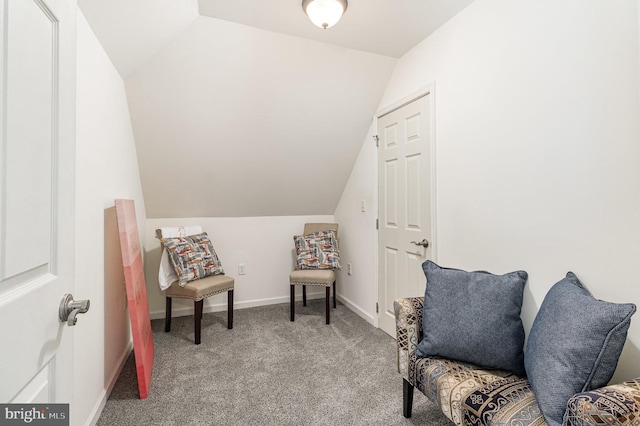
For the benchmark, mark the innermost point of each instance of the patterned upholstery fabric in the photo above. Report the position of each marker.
(472, 396)
(449, 384)
(506, 401)
(612, 405)
(408, 314)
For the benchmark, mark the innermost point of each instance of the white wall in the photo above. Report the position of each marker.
(358, 235)
(537, 131)
(106, 169)
(263, 244)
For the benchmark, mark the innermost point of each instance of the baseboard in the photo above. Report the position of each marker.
(182, 311)
(357, 309)
(94, 416)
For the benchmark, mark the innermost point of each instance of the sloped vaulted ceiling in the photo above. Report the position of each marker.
(259, 119)
(231, 120)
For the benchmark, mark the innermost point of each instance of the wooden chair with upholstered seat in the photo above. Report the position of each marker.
(198, 290)
(314, 277)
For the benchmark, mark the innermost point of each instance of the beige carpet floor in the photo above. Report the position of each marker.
(270, 371)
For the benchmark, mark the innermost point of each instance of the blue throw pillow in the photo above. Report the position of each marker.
(473, 317)
(574, 345)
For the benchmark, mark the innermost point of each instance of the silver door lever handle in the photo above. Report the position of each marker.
(424, 243)
(69, 309)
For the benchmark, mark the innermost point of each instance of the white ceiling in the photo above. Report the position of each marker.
(385, 27)
(244, 108)
(131, 31)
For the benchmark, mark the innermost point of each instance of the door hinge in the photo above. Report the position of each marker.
(377, 308)
(377, 139)
(377, 223)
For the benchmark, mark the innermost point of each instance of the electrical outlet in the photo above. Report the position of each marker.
(363, 206)
(242, 269)
(348, 268)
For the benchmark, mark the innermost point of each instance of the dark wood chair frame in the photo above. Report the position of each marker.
(197, 316)
(304, 300)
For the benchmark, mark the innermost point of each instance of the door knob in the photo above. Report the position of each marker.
(424, 243)
(70, 308)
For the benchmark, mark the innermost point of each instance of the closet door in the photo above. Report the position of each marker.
(404, 204)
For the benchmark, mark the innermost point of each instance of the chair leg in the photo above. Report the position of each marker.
(334, 295)
(407, 398)
(326, 302)
(293, 301)
(304, 295)
(197, 319)
(230, 309)
(167, 316)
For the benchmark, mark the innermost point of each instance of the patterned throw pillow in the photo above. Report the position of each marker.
(317, 251)
(192, 257)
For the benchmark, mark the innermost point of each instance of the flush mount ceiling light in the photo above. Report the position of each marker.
(324, 13)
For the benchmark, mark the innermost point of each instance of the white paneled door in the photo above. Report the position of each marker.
(404, 204)
(37, 72)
